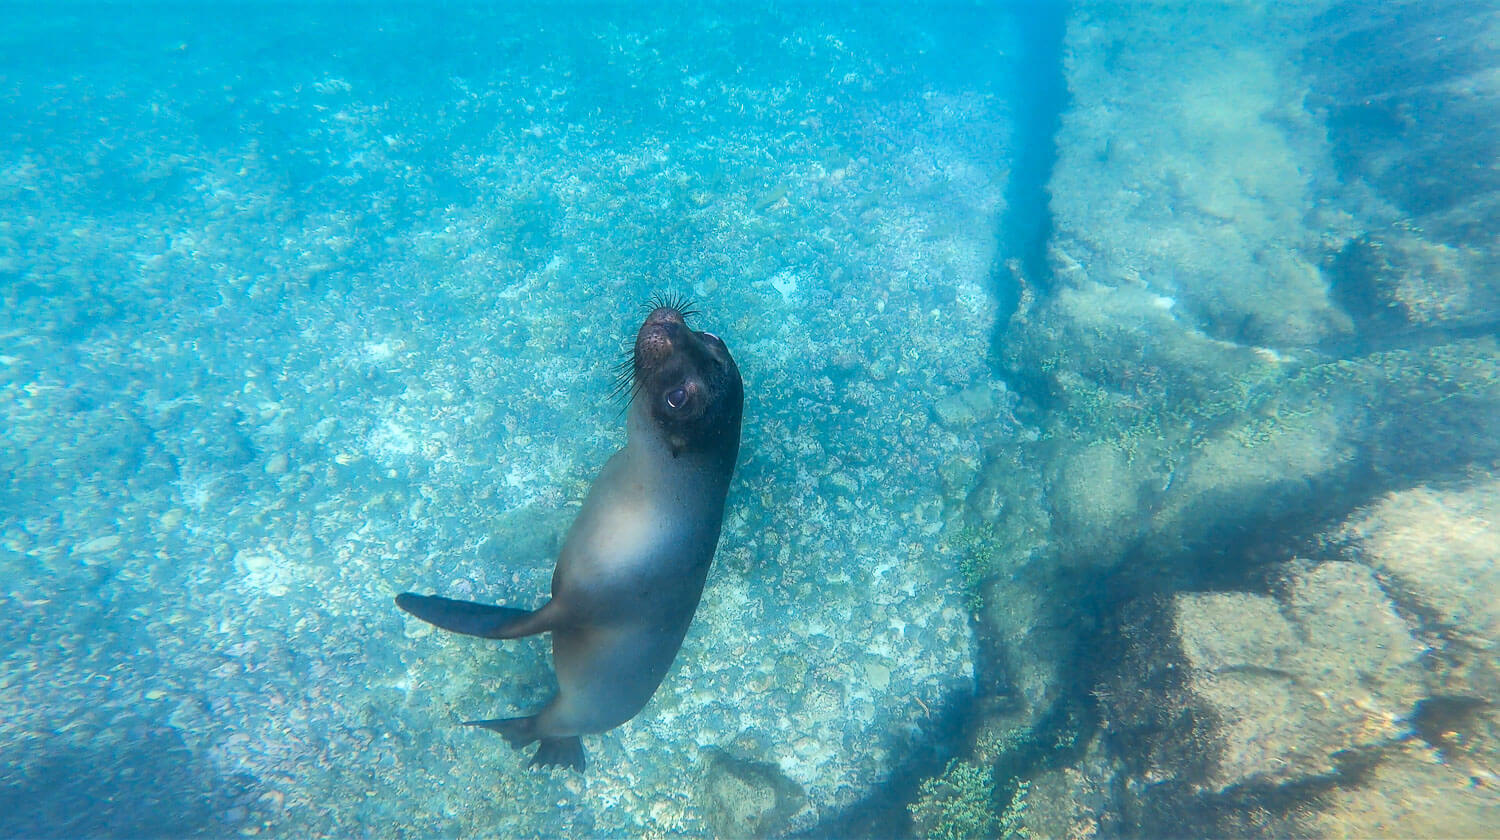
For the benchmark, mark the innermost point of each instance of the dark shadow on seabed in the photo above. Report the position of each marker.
(147, 786)
(883, 808)
(1039, 95)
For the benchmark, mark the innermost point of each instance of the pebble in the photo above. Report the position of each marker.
(277, 464)
(100, 544)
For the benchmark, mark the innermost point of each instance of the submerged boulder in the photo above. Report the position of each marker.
(1351, 696)
(744, 799)
(1293, 683)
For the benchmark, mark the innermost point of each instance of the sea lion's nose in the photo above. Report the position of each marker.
(654, 341)
(664, 315)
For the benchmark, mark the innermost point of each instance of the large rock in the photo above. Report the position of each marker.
(1440, 551)
(1294, 683)
(1437, 551)
(1349, 697)
(1411, 101)
(1191, 172)
(744, 799)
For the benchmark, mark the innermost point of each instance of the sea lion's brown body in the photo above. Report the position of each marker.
(631, 572)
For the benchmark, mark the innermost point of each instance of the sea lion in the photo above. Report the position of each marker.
(631, 571)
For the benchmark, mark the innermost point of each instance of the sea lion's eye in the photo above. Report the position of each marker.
(677, 397)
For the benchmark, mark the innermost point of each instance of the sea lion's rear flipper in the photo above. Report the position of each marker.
(554, 752)
(471, 619)
(560, 752)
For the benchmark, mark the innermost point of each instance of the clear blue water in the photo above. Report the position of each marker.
(1062, 327)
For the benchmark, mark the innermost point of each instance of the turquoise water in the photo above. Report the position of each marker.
(1120, 437)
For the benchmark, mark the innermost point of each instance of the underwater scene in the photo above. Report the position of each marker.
(1034, 419)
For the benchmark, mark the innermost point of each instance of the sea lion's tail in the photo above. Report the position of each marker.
(554, 752)
(471, 619)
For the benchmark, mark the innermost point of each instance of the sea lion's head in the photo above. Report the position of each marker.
(689, 382)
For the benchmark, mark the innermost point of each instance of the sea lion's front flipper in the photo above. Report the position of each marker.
(554, 752)
(471, 619)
